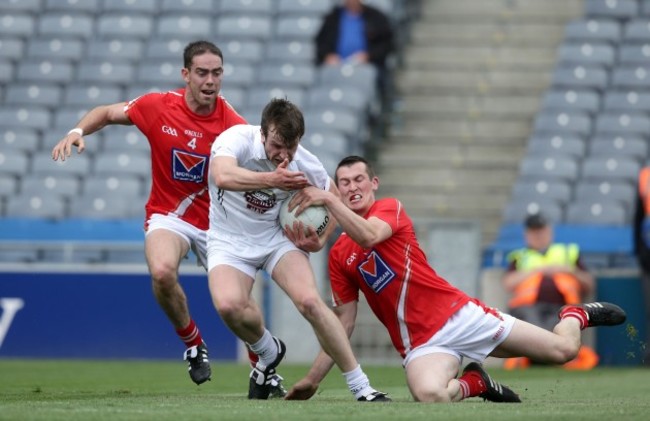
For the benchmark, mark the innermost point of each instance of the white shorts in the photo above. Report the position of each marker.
(224, 249)
(473, 332)
(195, 237)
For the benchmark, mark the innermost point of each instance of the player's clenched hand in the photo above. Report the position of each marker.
(63, 149)
(289, 180)
(307, 241)
(301, 391)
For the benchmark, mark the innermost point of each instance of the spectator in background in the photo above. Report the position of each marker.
(642, 248)
(356, 33)
(542, 277)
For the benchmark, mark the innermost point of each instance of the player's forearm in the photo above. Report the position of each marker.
(241, 179)
(356, 227)
(320, 368)
(101, 116)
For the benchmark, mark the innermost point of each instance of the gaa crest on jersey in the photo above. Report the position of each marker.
(260, 201)
(187, 166)
(375, 272)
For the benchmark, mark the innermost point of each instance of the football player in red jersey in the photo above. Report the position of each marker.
(432, 324)
(181, 126)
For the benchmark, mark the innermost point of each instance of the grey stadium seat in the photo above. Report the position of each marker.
(92, 95)
(559, 191)
(637, 30)
(107, 71)
(599, 168)
(125, 25)
(123, 163)
(327, 141)
(123, 185)
(95, 206)
(634, 55)
(586, 53)
(19, 139)
(347, 97)
(243, 51)
(45, 70)
(631, 77)
(6, 71)
(627, 101)
(163, 73)
(258, 7)
(34, 117)
(332, 118)
(259, 96)
(635, 147)
(558, 122)
(131, 6)
(244, 27)
(304, 7)
(598, 213)
(239, 74)
(235, 95)
(587, 100)
(14, 163)
(75, 165)
(606, 191)
(594, 30)
(62, 185)
(66, 24)
(52, 137)
(167, 49)
(19, 6)
(552, 167)
(288, 74)
(623, 123)
(295, 51)
(194, 6)
(195, 26)
(86, 6)
(12, 48)
(297, 27)
(516, 212)
(115, 49)
(56, 48)
(43, 205)
(124, 139)
(17, 25)
(363, 76)
(577, 77)
(66, 117)
(8, 185)
(47, 95)
(552, 144)
(619, 9)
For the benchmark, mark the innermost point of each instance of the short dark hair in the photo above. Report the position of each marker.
(535, 221)
(197, 48)
(287, 121)
(351, 160)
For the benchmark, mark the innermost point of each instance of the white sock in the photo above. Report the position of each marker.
(266, 349)
(358, 382)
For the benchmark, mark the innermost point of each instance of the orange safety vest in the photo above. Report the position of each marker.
(557, 254)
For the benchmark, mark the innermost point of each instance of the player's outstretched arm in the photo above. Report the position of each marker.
(94, 120)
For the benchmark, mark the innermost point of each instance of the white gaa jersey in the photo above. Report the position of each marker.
(252, 216)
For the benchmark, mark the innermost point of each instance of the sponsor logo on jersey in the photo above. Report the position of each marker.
(375, 272)
(170, 131)
(192, 133)
(260, 201)
(187, 166)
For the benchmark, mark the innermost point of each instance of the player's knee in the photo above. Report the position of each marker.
(565, 351)
(229, 309)
(163, 275)
(310, 307)
(433, 395)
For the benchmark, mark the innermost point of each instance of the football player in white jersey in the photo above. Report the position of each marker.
(252, 170)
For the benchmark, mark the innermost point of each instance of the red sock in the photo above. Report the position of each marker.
(471, 384)
(190, 335)
(576, 312)
(252, 357)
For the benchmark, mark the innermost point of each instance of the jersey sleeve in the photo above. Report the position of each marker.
(343, 290)
(391, 212)
(232, 142)
(139, 108)
(313, 169)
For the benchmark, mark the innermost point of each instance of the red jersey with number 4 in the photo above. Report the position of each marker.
(403, 291)
(180, 143)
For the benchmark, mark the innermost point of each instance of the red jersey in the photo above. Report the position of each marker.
(403, 291)
(180, 143)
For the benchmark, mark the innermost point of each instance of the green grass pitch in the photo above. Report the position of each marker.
(161, 390)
